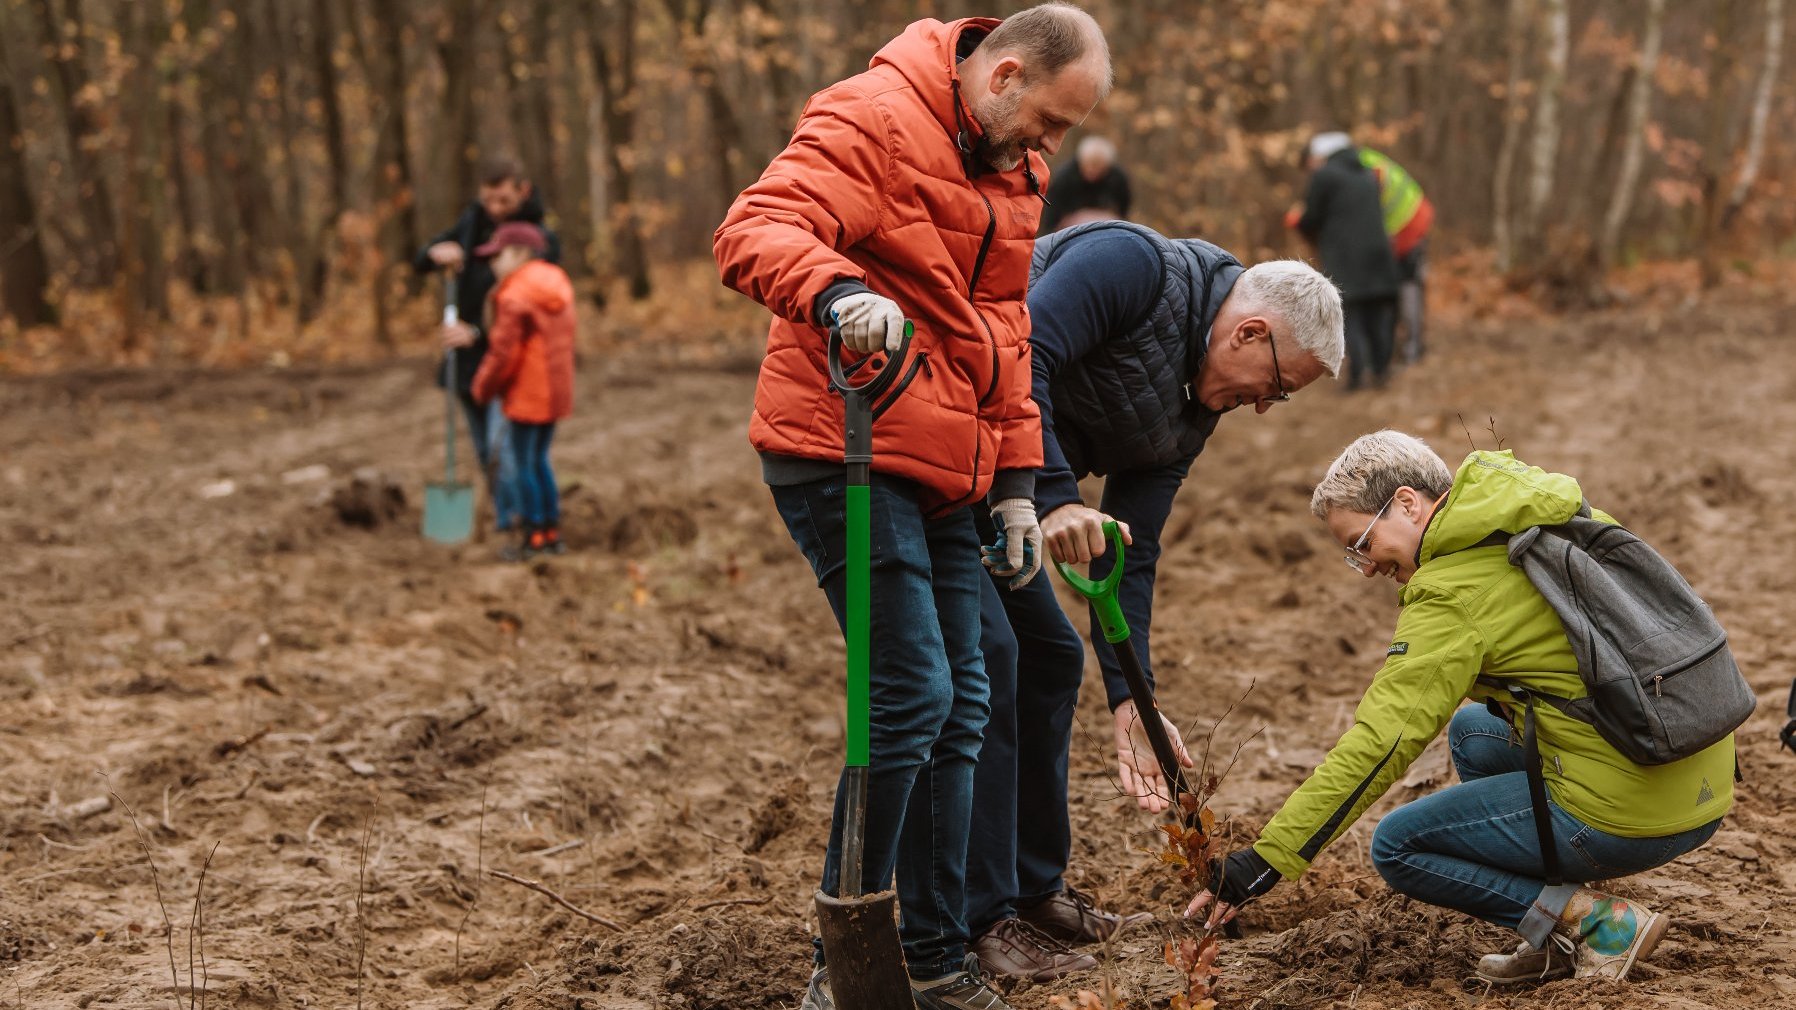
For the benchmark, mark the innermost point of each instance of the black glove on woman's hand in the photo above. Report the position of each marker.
(1241, 877)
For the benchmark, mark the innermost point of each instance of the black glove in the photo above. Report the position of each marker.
(1241, 877)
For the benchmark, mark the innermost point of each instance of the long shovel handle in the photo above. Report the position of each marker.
(450, 316)
(1116, 631)
(862, 402)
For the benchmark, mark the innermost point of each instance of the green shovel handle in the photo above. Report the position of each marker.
(1103, 594)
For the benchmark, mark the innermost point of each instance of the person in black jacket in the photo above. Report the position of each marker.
(1093, 187)
(1139, 345)
(1343, 216)
(505, 195)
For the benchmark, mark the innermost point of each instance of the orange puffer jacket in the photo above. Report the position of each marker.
(873, 188)
(530, 357)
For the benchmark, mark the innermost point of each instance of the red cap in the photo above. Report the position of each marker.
(513, 233)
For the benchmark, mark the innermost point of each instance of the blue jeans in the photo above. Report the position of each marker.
(929, 702)
(492, 447)
(1022, 840)
(1473, 846)
(538, 500)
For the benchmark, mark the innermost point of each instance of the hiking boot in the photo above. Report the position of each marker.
(1071, 918)
(963, 990)
(1611, 933)
(1528, 964)
(517, 550)
(1016, 949)
(552, 540)
(816, 995)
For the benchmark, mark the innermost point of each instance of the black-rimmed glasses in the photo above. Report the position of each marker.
(1277, 376)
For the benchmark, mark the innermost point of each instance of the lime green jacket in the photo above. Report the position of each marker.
(1467, 612)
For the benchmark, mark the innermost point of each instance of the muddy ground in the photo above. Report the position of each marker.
(207, 616)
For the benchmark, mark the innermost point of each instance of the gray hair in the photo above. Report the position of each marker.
(1368, 473)
(1092, 145)
(1307, 303)
(1050, 37)
(1322, 145)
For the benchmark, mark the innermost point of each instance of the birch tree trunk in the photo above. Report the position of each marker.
(1502, 218)
(1761, 111)
(1621, 197)
(1544, 148)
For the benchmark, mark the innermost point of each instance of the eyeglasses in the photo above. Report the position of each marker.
(1356, 555)
(1277, 376)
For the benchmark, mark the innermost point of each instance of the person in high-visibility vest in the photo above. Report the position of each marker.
(1407, 217)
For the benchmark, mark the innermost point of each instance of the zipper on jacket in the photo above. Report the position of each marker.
(985, 246)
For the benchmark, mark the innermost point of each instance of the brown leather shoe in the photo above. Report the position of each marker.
(1071, 918)
(1016, 949)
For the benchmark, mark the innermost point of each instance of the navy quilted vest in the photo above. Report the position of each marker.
(1125, 404)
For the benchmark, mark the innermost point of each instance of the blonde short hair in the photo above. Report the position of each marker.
(1368, 473)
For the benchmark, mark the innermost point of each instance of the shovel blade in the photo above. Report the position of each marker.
(860, 945)
(449, 512)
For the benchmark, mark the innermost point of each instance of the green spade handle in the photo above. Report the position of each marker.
(1103, 594)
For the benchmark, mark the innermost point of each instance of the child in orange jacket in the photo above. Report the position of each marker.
(530, 363)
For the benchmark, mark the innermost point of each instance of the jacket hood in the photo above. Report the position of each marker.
(1495, 492)
(927, 55)
(543, 284)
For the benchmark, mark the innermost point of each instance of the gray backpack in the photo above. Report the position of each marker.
(1662, 683)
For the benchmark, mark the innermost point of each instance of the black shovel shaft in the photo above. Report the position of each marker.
(1149, 714)
(854, 832)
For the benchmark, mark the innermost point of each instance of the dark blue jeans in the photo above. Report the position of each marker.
(928, 707)
(488, 429)
(539, 502)
(1022, 839)
(1473, 847)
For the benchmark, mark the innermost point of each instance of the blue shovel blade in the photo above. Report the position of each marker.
(449, 512)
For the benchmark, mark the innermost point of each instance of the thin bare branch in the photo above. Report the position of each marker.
(558, 899)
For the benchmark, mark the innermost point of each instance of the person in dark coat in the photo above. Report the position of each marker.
(1342, 214)
(1093, 187)
(505, 195)
(1139, 345)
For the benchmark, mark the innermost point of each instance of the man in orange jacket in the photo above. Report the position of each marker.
(912, 191)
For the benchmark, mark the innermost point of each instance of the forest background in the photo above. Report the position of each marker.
(245, 181)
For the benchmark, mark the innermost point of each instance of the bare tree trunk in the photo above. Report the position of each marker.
(1640, 99)
(65, 36)
(1544, 149)
(1761, 112)
(456, 50)
(575, 156)
(24, 270)
(299, 238)
(386, 71)
(1717, 148)
(1502, 219)
(142, 290)
(323, 51)
(613, 24)
(690, 18)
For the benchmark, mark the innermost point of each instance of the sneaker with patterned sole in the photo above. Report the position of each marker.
(963, 990)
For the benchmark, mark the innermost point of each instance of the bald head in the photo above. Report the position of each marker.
(1036, 76)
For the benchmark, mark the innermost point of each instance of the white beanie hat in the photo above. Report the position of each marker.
(1323, 145)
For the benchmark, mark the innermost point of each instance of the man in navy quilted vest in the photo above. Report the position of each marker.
(1140, 344)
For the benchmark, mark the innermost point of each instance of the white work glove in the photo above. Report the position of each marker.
(869, 322)
(1019, 535)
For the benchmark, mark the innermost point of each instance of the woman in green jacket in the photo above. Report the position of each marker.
(1401, 513)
